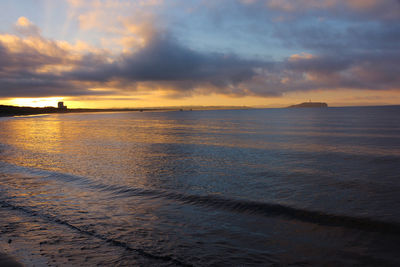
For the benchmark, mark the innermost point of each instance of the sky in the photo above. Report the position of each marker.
(148, 53)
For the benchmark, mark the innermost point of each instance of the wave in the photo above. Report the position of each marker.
(114, 242)
(218, 202)
(270, 209)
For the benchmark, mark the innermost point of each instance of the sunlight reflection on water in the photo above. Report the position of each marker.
(178, 184)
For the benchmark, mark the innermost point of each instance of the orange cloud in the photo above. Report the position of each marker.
(300, 56)
(25, 27)
(23, 22)
(127, 25)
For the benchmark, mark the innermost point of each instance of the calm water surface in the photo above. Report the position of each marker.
(231, 188)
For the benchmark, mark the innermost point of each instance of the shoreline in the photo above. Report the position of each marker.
(10, 111)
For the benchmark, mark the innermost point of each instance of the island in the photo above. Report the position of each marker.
(310, 105)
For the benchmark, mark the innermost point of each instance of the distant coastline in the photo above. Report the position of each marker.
(20, 111)
(310, 105)
(6, 110)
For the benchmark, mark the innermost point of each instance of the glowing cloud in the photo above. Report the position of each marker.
(181, 49)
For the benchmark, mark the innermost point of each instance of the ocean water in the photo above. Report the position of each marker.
(262, 187)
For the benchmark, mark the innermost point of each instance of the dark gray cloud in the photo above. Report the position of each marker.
(362, 71)
(164, 61)
(351, 10)
(328, 37)
(20, 74)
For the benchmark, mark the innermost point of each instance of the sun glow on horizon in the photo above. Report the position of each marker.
(39, 102)
(331, 97)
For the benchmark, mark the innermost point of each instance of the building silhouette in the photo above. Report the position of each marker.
(61, 105)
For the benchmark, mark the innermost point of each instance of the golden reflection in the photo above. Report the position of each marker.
(44, 134)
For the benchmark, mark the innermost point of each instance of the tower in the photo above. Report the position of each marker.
(61, 105)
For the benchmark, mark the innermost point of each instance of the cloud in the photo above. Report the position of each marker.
(355, 9)
(328, 56)
(25, 27)
(163, 62)
(362, 71)
(34, 66)
(328, 37)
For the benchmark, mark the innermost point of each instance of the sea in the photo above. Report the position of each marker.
(256, 187)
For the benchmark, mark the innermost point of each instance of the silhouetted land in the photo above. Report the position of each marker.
(17, 111)
(310, 105)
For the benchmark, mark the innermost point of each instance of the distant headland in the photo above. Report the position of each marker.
(310, 105)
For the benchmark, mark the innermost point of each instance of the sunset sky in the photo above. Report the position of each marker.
(143, 53)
